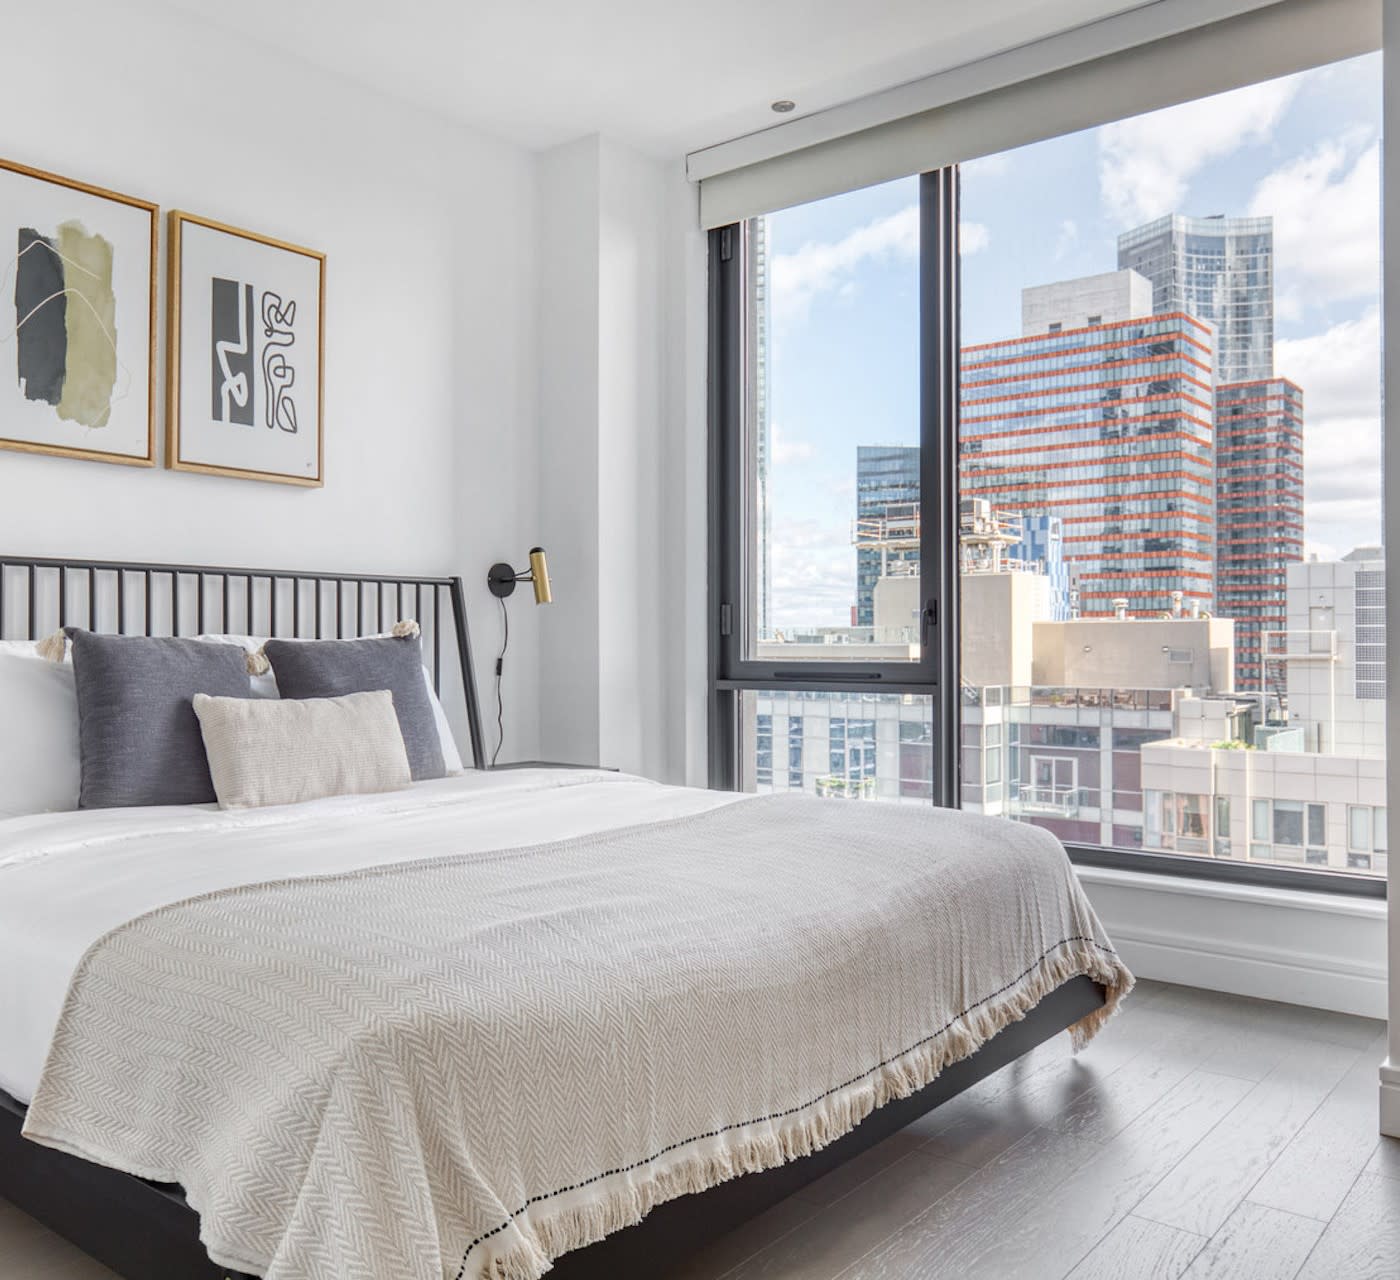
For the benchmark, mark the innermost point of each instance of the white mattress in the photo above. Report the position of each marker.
(67, 879)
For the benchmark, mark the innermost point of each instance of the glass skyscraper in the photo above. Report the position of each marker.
(1220, 270)
(887, 486)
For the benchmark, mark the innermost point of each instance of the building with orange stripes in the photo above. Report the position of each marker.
(1259, 513)
(1102, 414)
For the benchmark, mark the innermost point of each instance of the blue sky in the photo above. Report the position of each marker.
(1304, 149)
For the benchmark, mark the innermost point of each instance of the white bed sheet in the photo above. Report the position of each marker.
(66, 879)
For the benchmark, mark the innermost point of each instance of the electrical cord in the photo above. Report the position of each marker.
(500, 667)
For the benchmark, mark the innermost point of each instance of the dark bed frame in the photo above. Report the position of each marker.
(146, 1231)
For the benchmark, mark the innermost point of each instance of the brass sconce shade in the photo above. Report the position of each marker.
(539, 575)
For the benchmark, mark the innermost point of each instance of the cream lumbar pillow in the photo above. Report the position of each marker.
(264, 752)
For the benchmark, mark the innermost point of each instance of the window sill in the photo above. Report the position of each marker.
(1344, 904)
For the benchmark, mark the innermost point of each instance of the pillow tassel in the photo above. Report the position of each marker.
(52, 648)
(257, 663)
(406, 630)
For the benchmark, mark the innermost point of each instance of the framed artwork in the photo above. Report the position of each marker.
(77, 319)
(246, 354)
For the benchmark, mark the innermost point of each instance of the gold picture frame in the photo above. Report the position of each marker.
(254, 425)
(102, 265)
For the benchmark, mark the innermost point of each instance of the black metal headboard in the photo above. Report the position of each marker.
(37, 596)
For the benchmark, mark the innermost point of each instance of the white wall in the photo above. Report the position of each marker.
(567, 630)
(430, 329)
(612, 514)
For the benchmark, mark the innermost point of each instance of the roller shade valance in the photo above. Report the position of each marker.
(1274, 40)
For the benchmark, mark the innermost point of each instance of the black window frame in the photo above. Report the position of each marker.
(935, 675)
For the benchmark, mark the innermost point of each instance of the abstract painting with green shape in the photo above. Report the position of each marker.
(65, 317)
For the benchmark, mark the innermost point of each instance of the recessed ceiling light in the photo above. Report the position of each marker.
(784, 105)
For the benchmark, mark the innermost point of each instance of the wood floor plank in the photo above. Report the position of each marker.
(1169, 1054)
(825, 1245)
(722, 1255)
(1344, 1028)
(1385, 1159)
(1039, 1222)
(1362, 1242)
(1317, 1169)
(1262, 1028)
(1200, 1193)
(30, 1251)
(977, 1129)
(1256, 1243)
(1137, 1249)
(845, 1179)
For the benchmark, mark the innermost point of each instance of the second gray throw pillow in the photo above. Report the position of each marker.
(333, 668)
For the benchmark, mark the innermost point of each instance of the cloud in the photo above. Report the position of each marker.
(1326, 207)
(786, 450)
(973, 237)
(992, 166)
(814, 574)
(1339, 371)
(818, 267)
(1067, 239)
(1146, 163)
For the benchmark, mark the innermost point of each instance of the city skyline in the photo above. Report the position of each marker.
(844, 295)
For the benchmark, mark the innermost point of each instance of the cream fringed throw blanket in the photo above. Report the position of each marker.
(468, 1066)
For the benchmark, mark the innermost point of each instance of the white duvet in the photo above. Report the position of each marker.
(67, 879)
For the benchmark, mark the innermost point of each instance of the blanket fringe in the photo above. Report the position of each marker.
(543, 1235)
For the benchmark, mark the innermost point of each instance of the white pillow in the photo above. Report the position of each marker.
(264, 751)
(265, 686)
(39, 761)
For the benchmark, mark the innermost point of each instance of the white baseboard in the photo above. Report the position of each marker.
(1327, 951)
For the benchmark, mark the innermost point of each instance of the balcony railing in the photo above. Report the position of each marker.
(1055, 802)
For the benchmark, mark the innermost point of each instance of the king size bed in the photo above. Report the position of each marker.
(493, 1024)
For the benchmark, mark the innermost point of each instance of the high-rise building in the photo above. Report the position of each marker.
(1109, 428)
(1333, 648)
(1259, 513)
(1220, 270)
(887, 488)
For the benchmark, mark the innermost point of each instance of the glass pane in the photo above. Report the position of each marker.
(832, 428)
(1288, 822)
(1169, 463)
(850, 746)
(1358, 829)
(1317, 824)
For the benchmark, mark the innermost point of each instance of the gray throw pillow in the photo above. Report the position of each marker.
(334, 668)
(138, 736)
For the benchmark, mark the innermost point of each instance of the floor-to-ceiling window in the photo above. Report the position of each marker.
(1050, 486)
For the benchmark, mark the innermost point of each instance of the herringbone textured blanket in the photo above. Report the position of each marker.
(470, 1065)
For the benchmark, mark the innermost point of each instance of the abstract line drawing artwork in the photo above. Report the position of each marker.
(279, 321)
(77, 300)
(231, 329)
(247, 354)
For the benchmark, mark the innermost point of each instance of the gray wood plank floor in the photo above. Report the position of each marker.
(1202, 1137)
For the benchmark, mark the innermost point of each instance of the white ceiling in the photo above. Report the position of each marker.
(663, 75)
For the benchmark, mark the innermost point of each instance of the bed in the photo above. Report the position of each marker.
(497, 1024)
